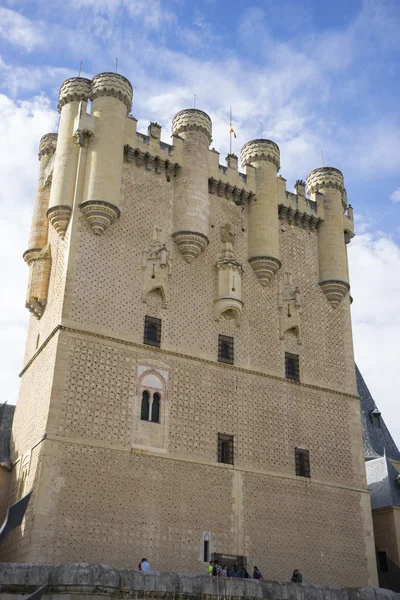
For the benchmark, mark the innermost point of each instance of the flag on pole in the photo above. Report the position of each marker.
(231, 130)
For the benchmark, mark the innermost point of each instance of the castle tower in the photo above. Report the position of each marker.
(39, 226)
(111, 96)
(71, 93)
(186, 411)
(191, 203)
(333, 269)
(264, 156)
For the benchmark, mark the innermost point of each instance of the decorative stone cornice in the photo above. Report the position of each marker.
(190, 244)
(112, 84)
(100, 214)
(59, 217)
(150, 161)
(296, 217)
(47, 144)
(82, 136)
(73, 89)
(334, 290)
(192, 119)
(265, 268)
(257, 150)
(238, 195)
(326, 177)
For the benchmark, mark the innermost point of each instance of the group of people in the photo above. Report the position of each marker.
(216, 570)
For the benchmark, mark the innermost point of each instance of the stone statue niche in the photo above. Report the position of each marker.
(289, 306)
(157, 268)
(229, 280)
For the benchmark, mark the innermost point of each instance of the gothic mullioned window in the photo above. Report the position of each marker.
(151, 396)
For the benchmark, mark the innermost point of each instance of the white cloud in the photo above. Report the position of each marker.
(21, 126)
(395, 196)
(375, 279)
(20, 31)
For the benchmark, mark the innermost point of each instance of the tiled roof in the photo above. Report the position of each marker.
(377, 441)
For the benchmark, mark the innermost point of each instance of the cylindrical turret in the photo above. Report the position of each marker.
(40, 224)
(333, 273)
(191, 203)
(111, 96)
(71, 93)
(263, 251)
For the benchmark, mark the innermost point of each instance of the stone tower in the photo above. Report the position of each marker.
(188, 389)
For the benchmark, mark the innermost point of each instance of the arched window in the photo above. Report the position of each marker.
(145, 411)
(155, 408)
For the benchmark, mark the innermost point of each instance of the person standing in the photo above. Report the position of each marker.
(224, 572)
(145, 566)
(297, 577)
(210, 567)
(257, 573)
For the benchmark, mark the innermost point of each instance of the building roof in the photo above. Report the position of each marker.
(6, 419)
(381, 478)
(377, 440)
(379, 450)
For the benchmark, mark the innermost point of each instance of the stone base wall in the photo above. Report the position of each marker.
(78, 580)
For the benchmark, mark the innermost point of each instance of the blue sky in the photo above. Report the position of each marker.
(320, 76)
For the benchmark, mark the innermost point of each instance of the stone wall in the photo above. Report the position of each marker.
(75, 581)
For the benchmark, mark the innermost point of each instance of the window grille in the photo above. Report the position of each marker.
(292, 368)
(152, 331)
(302, 458)
(145, 411)
(225, 349)
(225, 448)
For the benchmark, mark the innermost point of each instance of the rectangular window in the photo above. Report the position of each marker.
(152, 331)
(292, 369)
(206, 551)
(225, 349)
(225, 448)
(302, 462)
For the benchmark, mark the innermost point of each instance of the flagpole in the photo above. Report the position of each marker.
(230, 130)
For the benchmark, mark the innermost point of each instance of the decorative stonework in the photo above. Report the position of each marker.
(326, 177)
(260, 150)
(238, 195)
(73, 89)
(190, 244)
(192, 119)
(335, 291)
(265, 268)
(82, 137)
(229, 279)
(100, 214)
(59, 217)
(47, 144)
(289, 306)
(38, 286)
(293, 216)
(157, 267)
(112, 84)
(150, 162)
